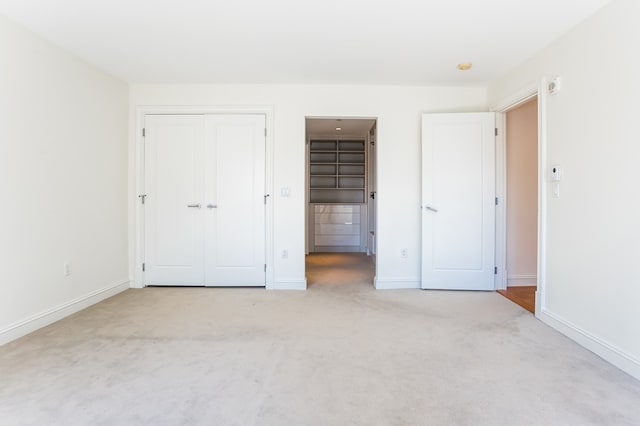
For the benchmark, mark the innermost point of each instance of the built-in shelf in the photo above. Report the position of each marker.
(337, 171)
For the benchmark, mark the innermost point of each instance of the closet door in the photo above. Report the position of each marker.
(174, 184)
(235, 200)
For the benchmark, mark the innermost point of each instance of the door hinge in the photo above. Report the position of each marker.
(496, 131)
(496, 201)
(143, 267)
(265, 267)
(142, 197)
(265, 131)
(144, 132)
(495, 270)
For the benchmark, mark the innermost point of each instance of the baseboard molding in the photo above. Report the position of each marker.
(396, 283)
(288, 285)
(606, 351)
(43, 319)
(521, 280)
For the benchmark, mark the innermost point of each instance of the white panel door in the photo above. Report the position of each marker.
(458, 201)
(174, 221)
(235, 203)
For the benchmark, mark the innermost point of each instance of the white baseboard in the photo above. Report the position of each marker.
(43, 319)
(521, 280)
(288, 285)
(396, 283)
(606, 351)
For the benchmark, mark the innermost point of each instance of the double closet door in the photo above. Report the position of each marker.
(205, 200)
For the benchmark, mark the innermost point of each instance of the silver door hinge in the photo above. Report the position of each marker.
(142, 197)
(496, 201)
(495, 270)
(496, 131)
(144, 132)
(143, 267)
(265, 131)
(265, 267)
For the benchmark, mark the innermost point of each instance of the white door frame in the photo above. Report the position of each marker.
(529, 92)
(136, 256)
(306, 173)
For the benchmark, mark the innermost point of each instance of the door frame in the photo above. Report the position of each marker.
(367, 186)
(136, 167)
(534, 89)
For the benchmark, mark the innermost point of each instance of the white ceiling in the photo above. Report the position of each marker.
(351, 127)
(406, 42)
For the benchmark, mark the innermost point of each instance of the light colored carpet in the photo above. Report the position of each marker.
(340, 353)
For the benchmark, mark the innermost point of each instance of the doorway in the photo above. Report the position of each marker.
(340, 198)
(521, 204)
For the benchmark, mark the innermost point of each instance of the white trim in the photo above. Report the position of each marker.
(522, 96)
(396, 283)
(607, 351)
(500, 279)
(137, 244)
(525, 94)
(521, 280)
(43, 319)
(542, 197)
(289, 285)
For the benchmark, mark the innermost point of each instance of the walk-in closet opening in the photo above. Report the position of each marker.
(340, 201)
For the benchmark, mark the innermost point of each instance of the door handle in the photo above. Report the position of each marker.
(194, 206)
(212, 206)
(431, 209)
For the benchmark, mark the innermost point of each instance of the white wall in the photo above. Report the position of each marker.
(63, 180)
(398, 111)
(522, 193)
(592, 280)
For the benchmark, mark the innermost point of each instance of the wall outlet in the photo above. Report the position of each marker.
(284, 254)
(67, 269)
(404, 252)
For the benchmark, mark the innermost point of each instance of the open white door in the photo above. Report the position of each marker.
(458, 201)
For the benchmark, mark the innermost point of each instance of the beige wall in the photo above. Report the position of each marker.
(63, 180)
(398, 110)
(591, 278)
(522, 194)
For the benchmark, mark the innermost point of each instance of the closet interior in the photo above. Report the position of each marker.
(341, 185)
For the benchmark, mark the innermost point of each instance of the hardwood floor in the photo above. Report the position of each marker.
(523, 296)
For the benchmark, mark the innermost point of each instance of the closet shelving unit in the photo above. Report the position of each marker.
(337, 194)
(337, 171)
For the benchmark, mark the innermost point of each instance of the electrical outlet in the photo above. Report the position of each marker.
(284, 254)
(67, 269)
(404, 252)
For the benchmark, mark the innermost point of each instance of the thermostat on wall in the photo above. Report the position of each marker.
(554, 86)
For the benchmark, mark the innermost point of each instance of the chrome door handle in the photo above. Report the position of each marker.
(194, 206)
(212, 206)
(431, 209)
